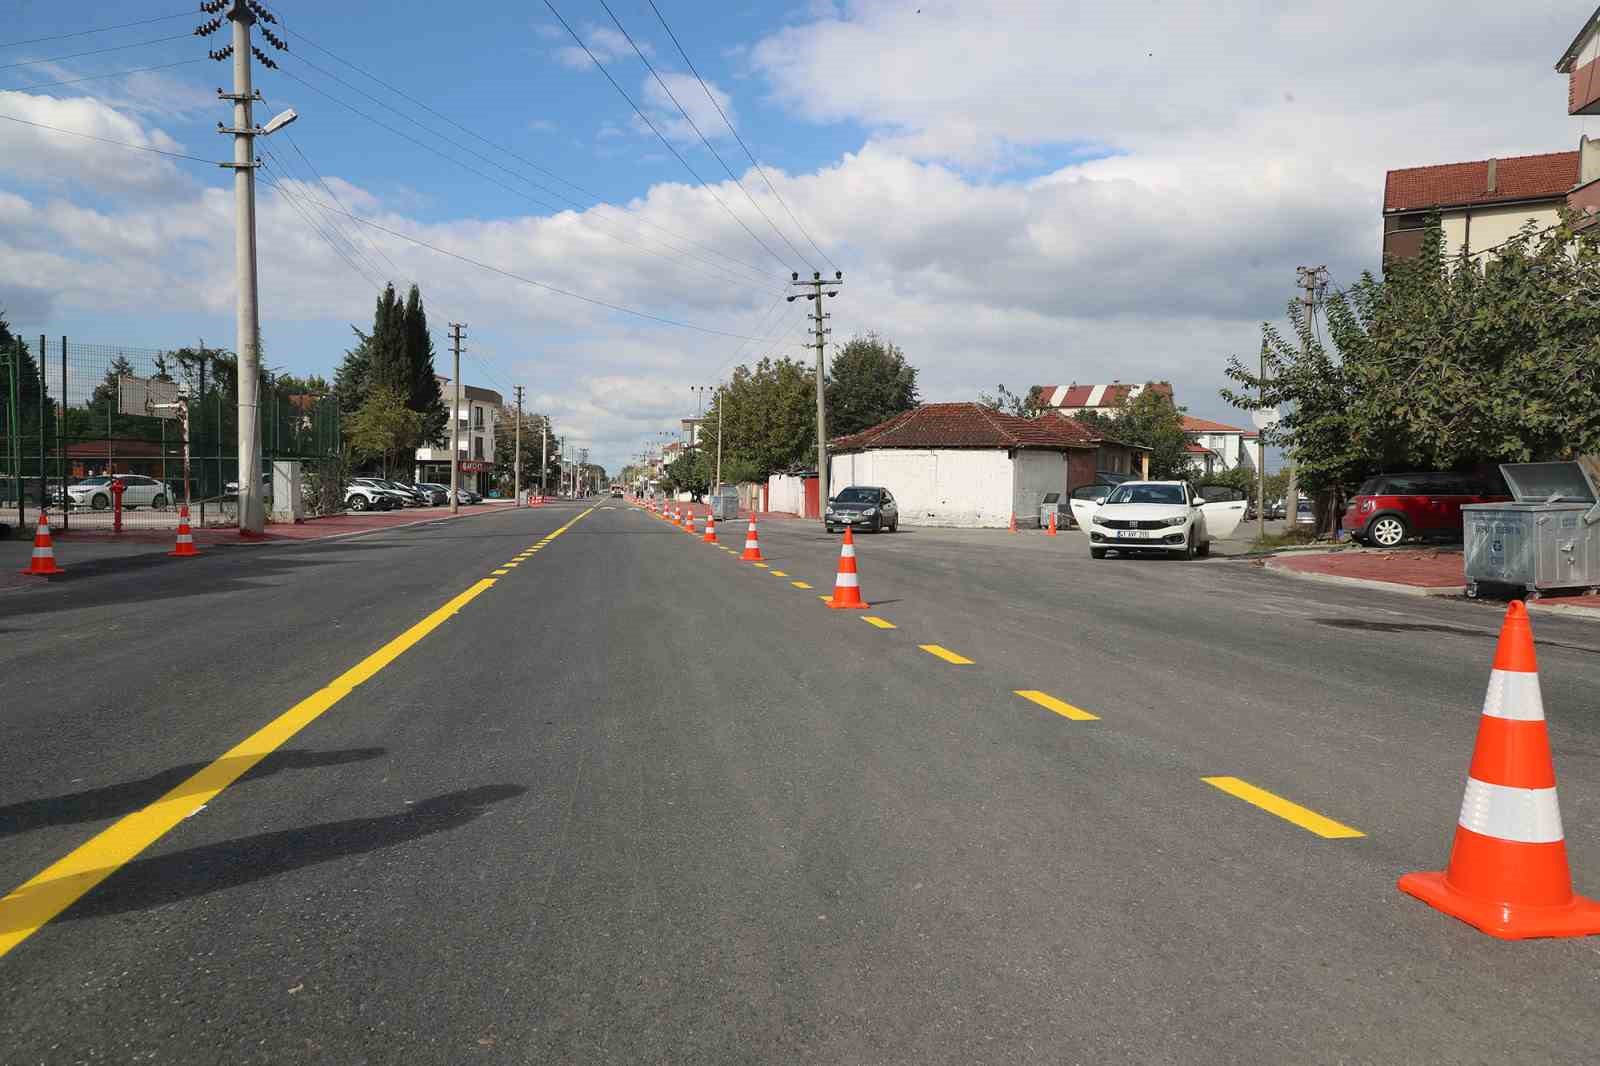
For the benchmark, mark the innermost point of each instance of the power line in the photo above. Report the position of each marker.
(344, 246)
(474, 170)
(107, 140)
(659, 135)
(98, 51)
(97, 77)
(278, 187)
(97, 29)
(597, 197)
(710, 96)
(692, 125)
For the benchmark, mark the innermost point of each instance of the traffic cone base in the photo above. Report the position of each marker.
(1508, 874)
(43, 561)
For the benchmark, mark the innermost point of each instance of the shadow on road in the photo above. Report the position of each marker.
(195, 872)
(113, 801)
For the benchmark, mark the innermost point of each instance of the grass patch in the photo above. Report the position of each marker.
(1288, 538)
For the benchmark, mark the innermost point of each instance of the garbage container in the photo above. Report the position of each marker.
(724, 503)
(1547, 537)
(1051, 504)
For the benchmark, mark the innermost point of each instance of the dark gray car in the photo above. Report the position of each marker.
(863, 507)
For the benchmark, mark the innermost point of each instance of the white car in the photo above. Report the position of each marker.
(1160, 516)
(138, 491)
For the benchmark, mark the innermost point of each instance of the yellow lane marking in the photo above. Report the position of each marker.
(777, 573)
(514, 562)
(800, 585)
(1303, 817)
(874, 620)
(946, 654)
(498, 573)
(824, 599)
(762, 565)
(1061, 707)
(59, 885)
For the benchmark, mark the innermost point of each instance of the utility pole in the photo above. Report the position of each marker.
(1314, 280)
(544, 453)
(516, 462)
(721, 396)
(1261, 452)
(247, 320)
(820, 332)
(455, 418)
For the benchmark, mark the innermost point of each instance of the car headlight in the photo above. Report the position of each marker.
(869, 512)
(1180, 520)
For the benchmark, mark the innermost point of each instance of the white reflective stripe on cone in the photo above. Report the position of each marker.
(1515, 695)
(44, 553)
(1524, 815)
(847, 581)
(848, 551)
(750, 544)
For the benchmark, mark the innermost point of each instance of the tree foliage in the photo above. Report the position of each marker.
(1443, 363)
(768, 419)
(1030, 405)
(869, 382)
(397, 354)
(383, 427)
(1150, 419)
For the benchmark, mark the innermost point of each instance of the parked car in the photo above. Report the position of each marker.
(232, 487)
(1389, 509)
(400, 496)
(863, 506)
(139, 491)
(360, 497)
(414, 496)
(1085, 498)
(467, 496)
(438, 495)
(1161, 516)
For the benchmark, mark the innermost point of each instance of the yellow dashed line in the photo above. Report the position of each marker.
(498, 573)
(874, 620)
(801, 585)
(1061, 707)
(762, 565)
(1303, 817)
(946, 654)
(777, 573)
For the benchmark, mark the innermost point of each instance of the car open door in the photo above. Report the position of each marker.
(1085, 500)
(1224, 509)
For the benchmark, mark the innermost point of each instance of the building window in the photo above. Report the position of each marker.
(477, 417)
(1416, 220)
(477, 447)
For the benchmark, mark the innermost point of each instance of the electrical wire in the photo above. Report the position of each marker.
(659, 135)
(97, 51)
(694, 126)
(474, 170)
(97, 77)
(98, 29)
(591, 194)
(275, 183)
(709, 96)
(107, 140)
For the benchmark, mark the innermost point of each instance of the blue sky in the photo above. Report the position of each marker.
(1030, 192)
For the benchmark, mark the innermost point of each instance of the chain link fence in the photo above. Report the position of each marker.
(73, 416)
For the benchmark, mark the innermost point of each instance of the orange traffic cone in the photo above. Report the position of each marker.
(846, 585)
(674, 519)
(185, 546)
(1051, 531)
(689, 525)
(1013, 526)
(752, 544)
(43, 562)
(711, 529)
(1508, 871)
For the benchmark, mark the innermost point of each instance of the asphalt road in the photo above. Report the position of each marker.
(636, 801)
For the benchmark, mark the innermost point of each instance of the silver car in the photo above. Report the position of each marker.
(138, 491)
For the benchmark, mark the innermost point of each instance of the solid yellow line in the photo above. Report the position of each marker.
(801, 585)
(63, 882)
(874, 620)
(777, 573)
(1061, 707)
(498, 573)
(1303, 817)
(946, 654)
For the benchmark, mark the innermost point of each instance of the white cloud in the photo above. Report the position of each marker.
(31, 153)
(683, 88)
(605, 43)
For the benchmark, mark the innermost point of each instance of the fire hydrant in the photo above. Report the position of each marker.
(118, 487)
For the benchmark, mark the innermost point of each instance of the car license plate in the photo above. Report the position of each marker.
(1132, 534)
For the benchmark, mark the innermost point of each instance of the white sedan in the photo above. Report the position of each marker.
(1160, 516)
(138, 491)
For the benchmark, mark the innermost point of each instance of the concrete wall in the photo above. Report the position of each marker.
(785, 493)
(937, 487)
(1035, 473)
(1490, 226)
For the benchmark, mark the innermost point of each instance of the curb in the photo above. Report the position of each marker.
(1567, 610)
(1369, 583)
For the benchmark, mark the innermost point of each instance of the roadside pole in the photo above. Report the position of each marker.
(721, 396)
(544, 453)
(820, 332)
(455, 419)
(1261, 450)
(516, 462)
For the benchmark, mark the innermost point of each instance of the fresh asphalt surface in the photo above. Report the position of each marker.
(640, 802)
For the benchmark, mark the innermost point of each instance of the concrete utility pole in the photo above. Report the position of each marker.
(242, 14)
(516, 461)
(721, 397)
(455, 418)
(1261, 452)
(820, 332)
(544, 453)
(1314, 280)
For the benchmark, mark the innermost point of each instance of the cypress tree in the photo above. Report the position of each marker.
(423, 394)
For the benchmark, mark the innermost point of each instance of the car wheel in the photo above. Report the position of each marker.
(1097, 553)
(1388, 531)
(894, 527)
(100, 502)
(356, 503)
(830, 529)
(1187, 551)
(1205, 549)
(159, 503)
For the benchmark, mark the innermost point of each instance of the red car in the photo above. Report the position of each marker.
(1390, 509)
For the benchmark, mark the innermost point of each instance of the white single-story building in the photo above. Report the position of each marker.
(965, 464)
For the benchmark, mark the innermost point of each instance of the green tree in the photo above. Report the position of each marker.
(383, 427)
(1031, 405)
(691, 472)
(423, 394)
(768, 418)
(1152, 420)
(870, 382)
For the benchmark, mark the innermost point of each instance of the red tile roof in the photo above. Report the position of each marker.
(1194, 449)
(1205, 425)
(1527, 177)
(1079, 395)
(970, 425)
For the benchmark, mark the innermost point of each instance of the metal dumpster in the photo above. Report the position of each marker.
(1547, 538)
(1052, 505)
(724, 502)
